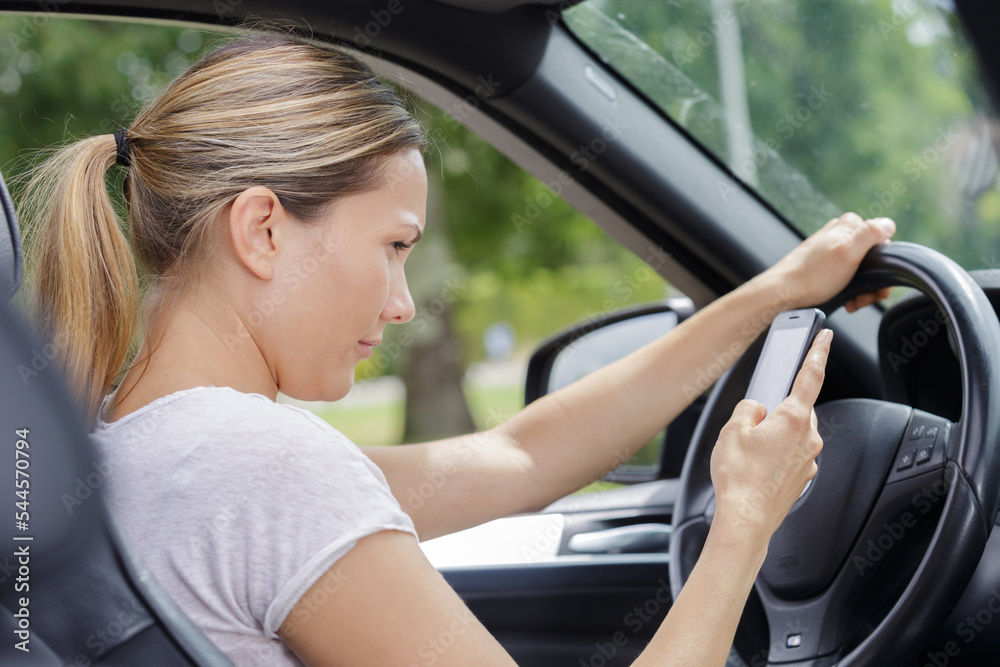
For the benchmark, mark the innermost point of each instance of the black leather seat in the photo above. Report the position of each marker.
(71, 588)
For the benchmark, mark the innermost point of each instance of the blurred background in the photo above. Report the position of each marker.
(505, 262)
(875, 107)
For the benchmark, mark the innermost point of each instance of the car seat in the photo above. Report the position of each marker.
(72, 590)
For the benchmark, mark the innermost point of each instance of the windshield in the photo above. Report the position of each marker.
(873, 106)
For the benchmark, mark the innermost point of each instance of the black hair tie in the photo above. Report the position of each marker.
(121, 147)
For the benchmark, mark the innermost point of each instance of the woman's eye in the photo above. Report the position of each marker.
(399, 246)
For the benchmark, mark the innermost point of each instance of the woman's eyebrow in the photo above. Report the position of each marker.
(416, 228)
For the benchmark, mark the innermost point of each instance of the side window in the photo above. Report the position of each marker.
(505, 264)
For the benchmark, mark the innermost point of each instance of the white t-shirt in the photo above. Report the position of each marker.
(238, 505)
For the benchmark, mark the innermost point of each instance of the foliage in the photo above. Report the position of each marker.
(54, 95)
(67, 79)
(866, 105)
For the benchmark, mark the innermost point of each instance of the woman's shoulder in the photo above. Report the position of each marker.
(216, 406)
(219, 438)
(214, 480)
(219, 422)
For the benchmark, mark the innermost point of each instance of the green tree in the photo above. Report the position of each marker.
(500, 245)
(866, 105)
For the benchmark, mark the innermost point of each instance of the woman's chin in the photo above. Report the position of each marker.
(327, 392)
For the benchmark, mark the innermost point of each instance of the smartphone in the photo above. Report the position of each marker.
(785, 348)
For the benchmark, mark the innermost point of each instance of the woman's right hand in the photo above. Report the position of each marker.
(760, 466)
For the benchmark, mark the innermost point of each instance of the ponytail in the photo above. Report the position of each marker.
(83, 274)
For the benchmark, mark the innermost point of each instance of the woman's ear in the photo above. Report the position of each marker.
(255, 217)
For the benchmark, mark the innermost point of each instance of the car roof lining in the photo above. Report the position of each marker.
(498, 6)
(477, 43)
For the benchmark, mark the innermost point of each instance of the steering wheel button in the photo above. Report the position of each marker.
(931, 432)
(924, 454)
(906, 460)
(793, 641)
(916, 431)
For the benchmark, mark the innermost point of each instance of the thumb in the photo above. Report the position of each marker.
(748, 413)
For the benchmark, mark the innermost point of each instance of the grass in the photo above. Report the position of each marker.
(368, 425)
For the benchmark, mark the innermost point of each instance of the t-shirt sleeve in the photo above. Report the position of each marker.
(308, 495)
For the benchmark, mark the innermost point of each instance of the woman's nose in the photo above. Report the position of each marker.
(399, 306)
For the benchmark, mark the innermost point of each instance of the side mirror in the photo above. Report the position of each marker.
(598, 342)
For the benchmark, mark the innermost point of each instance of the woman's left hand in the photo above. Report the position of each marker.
(822, 265)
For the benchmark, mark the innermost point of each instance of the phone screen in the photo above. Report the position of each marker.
(785, 348)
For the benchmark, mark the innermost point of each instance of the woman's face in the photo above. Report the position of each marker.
(344, 283)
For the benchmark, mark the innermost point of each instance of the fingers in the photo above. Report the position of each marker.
(859, 302)
(867, 299)
(810, 378)
(882, 228)
(869, 232)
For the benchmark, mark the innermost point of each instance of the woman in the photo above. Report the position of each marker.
(274, 192)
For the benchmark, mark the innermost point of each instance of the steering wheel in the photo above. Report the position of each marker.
(873, 557)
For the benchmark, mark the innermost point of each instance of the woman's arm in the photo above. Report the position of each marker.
(752, 454)
(568, 438)
(384, 604)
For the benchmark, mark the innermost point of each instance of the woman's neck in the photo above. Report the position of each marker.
(193, 343)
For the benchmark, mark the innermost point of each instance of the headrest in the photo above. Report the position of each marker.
(10, 246)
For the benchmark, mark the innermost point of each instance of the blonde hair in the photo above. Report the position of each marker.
(309, 122)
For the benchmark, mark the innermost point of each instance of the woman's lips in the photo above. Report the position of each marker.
(366, 347)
